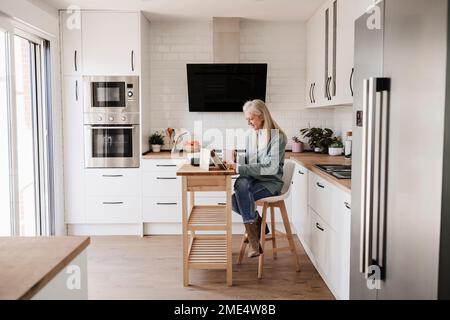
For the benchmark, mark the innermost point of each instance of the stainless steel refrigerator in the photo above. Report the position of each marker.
(399, 184)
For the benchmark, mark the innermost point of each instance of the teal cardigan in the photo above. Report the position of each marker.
(265, 164)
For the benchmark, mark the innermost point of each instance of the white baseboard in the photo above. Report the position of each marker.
(143, 229)
(104, 229)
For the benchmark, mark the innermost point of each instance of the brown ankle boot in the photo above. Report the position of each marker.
(253, 240)
(259, 223)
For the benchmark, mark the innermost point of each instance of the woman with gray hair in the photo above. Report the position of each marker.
(260, 170)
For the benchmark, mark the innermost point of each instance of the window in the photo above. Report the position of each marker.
(24, 131)
(5, 192)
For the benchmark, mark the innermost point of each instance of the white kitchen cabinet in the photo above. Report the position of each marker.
(162, 210)
(113, 182)
(319, 196)
(71, 54)
(315, 67)
(161, 190)
(348, 11)
(74, 179)
(163, 184)
(320, 243)
(340, 243)
(300, 215)
(110, 43)
(330, 52)
(113, 209)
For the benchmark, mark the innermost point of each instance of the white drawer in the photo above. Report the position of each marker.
(113, 209)
(164, 210)
(320, 196)
(162, 165)
(164, 184)
(112, 182)
(320, 242)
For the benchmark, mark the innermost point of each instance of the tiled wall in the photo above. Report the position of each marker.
(280, 44)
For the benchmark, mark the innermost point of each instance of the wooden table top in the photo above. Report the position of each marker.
(27, 264)
(189, 170)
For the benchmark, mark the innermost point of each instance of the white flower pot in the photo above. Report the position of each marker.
(156, 148)
(335, 151)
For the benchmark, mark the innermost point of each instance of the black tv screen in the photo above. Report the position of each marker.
(225, 87)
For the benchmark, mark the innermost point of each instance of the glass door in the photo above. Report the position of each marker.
(6, 226)
(25, 135)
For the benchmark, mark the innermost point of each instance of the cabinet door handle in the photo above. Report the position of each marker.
(313, 95)
(347, 206)
(300, 172)
(310, 93)
(132, 60)
(75, 62)
(221, 204)
(166, 165)
(112, 175)
(76, 90)
(320, 185)
(328, 87)
(165, 178)
(351, 81)
(113, 202)
(319, 227)
(166, 203)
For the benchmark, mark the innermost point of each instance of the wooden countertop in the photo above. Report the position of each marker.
(306, 159)
(27, 264)
(188, 170)
(309, 159)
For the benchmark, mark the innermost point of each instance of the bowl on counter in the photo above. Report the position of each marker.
(335, 151)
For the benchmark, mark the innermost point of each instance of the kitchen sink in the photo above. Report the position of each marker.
(336, 170)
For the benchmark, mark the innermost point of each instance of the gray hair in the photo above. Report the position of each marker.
(259, 109)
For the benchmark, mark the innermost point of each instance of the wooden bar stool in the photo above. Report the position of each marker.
(272, 203)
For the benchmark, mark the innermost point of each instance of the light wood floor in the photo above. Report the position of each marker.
(127, 267)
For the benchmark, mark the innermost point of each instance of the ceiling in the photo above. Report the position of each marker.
(162, 10)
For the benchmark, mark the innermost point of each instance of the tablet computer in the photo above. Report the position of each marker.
(217, 161)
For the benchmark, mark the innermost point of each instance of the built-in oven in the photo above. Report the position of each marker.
(111, 94)
(112, 146)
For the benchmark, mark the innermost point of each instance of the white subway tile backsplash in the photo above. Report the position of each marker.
(282, 45)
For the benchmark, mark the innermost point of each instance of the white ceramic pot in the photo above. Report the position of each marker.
(335, 151)
(156, 148)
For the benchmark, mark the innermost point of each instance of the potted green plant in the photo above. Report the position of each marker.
(336, 148)
(297, 145)
(318, 139)
(156, 140)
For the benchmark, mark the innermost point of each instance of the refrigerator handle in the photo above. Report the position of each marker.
(374, 172)
(383, 89)
(364, 176)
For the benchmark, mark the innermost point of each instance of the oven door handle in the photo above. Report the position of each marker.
(109, 128)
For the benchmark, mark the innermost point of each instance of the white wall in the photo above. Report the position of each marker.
(280, 44)
(42, 20)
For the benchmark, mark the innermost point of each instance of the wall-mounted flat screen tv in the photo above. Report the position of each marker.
(225, 87)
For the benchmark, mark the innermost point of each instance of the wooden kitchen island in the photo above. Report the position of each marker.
(202, 251)
(43, 268)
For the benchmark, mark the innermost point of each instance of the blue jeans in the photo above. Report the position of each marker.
(247, 191)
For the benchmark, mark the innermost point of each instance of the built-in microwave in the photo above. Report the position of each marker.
(117, 94)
